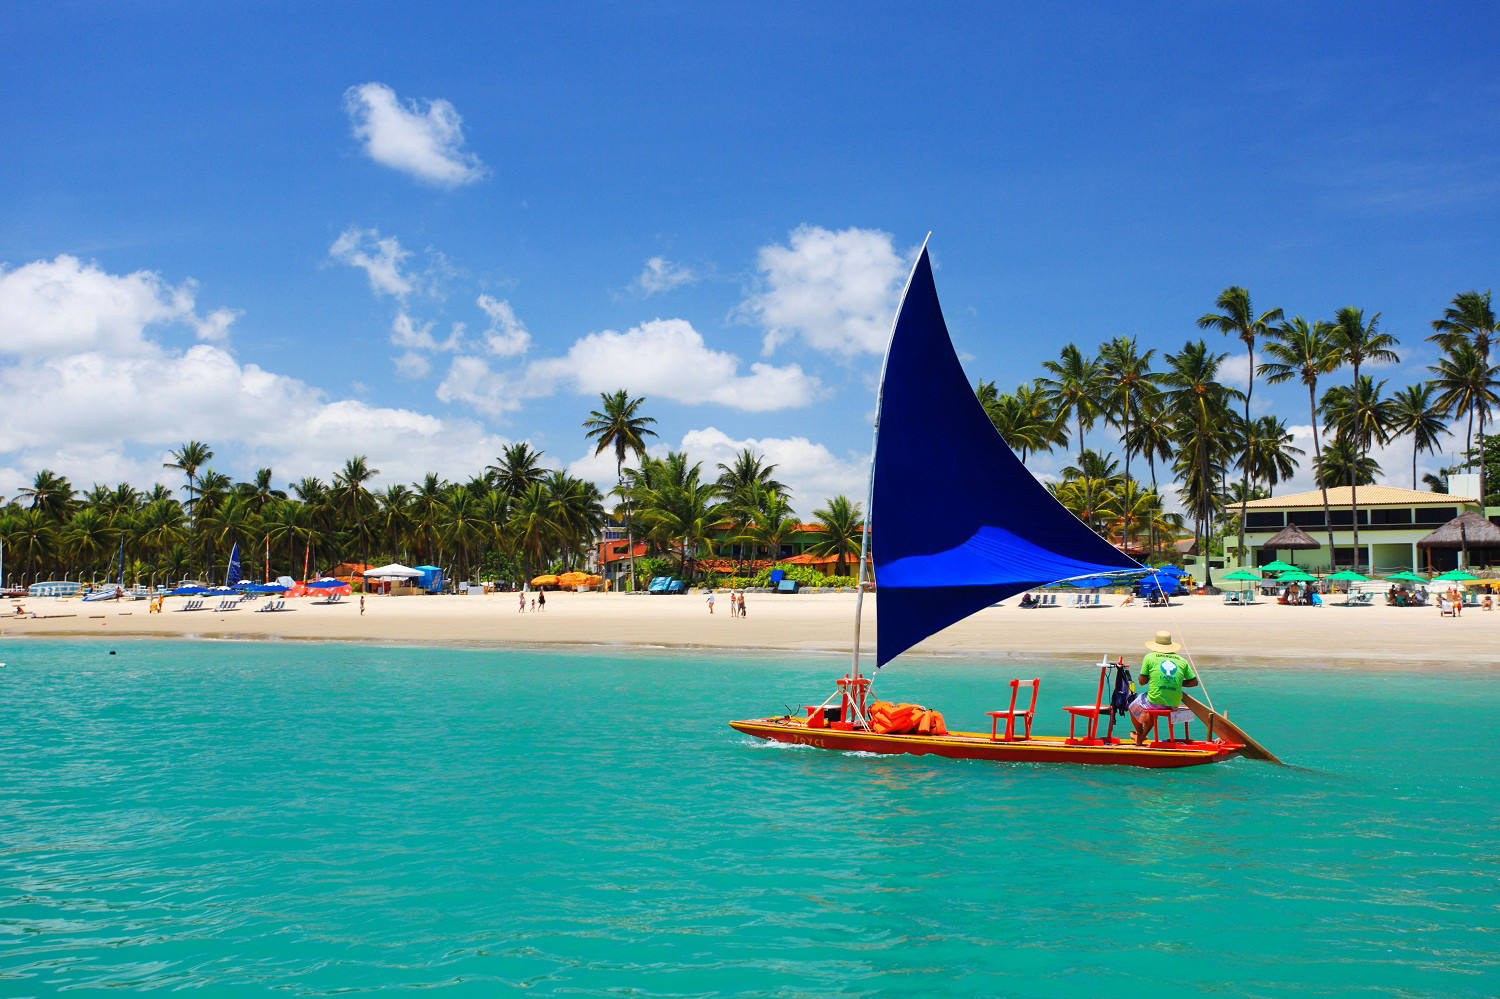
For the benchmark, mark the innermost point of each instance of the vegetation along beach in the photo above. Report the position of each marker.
(765, 501)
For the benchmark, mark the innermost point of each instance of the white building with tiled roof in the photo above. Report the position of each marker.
(1391, 521)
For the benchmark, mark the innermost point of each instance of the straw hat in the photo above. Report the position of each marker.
(1163, 643)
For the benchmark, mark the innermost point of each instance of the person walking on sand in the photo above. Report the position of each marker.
(523, 602)
(361, 605)
(741, 607)
(541, 600)
(710, 602)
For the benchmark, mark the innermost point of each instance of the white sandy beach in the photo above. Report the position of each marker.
(1375, 636)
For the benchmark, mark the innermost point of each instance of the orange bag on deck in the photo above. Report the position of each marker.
(939, 727)
(924, 725)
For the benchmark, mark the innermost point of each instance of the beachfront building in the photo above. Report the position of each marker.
(1391, 522)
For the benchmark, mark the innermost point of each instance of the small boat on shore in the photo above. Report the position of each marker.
(996, 532)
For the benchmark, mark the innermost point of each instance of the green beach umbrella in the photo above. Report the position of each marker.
(1405, 577)
(1297, 576)
(1456, 576)
(1241, 575)
(1279, 566)
(1349, 576)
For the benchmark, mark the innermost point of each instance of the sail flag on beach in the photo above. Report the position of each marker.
(956, 521)
(234, 575)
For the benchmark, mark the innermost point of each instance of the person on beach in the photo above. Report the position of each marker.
(1163, 675)
(541, 600)
(361, 605)
(742, 603)
(533, 605)
(523, 602)
(710, 602)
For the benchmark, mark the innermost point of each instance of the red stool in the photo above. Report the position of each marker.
(1089, 711)
(1156, 715)
(1011, 715)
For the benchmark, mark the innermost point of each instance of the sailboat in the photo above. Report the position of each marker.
(958, 524)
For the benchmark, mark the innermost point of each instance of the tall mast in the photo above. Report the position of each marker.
(864, 540)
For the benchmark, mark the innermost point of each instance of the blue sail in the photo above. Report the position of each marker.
(234, 575)
(956, 521)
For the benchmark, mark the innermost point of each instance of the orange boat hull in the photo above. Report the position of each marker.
(978, 746)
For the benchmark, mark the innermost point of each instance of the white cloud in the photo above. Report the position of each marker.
(426, 142)
(662, 275)
(108, 399)
(380, 258)
(1235, 370)
(472, 382)
(505, 335)
(835, 290)
(50, 306)
(412, 365)
(811, 471)
(668, 358)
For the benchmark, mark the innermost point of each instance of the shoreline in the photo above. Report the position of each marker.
(1373, 638)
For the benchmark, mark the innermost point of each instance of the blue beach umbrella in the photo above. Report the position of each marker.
(187, 591)
(325, 584)
(268, 588)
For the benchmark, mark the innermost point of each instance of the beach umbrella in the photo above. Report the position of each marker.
(187, 591)
(1349, 576)
(1456, 576)
(1278, 566)
(1297, 576)
(1242, 575)
(268, 588)
(1171, 570)
(325, 584)
(546, 579)
(1405, 577)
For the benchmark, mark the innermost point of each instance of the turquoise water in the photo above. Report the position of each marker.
(242, 818)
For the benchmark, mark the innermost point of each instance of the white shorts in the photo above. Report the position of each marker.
(1180, 716)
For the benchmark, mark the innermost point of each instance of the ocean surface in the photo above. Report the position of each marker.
(309, 819)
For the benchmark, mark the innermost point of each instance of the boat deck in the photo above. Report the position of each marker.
(979, 745)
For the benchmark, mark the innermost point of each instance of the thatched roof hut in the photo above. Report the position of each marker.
(1291, 538)
(1467, 530)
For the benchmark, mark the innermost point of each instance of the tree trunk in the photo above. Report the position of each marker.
(1312, 405)
(1354, 478)
(1245, 478)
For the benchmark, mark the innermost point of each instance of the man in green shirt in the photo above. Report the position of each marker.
(1163, 675)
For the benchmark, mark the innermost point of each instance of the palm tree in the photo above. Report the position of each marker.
(189, 458)
(532, 524)
(1305, 351)
(1466, 383)
(1342, 463)
(161, 526)
(1358, 342)
(1199, 407)
(1415, 415)
(349, 488)
(620, 428)
(1268, 453)
(50, 493)
(1358, 416)
(518, 468)
(87, 537)
(1470, 319)
(1128, 374)
(843, 527)
(29, 532)
(393, 516)
(1075, 388)
(259, 491)
(289, 521)
(1238, 318)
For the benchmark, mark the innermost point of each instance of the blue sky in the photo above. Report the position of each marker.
(302, 232)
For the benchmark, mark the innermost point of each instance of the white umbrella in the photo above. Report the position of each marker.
(393, 571)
